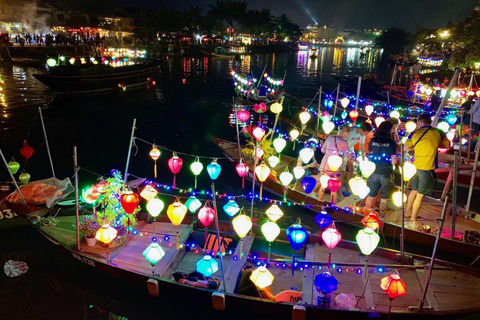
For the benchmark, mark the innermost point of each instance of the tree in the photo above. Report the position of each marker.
(466, 38)
(394, 40)
(193, 19)
(286, 28)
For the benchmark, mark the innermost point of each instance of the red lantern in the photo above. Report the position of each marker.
(393, 285)
(206, 215)
(260, 107)
(353, 115)
(129, 201)
(26, 151)
(243, 115)
(371, 221)
(242, 170)
(258, 133)
(334, 184)
(175, 164)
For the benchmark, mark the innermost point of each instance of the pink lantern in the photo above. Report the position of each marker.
(175, 164)
(243, 115)
(258, 133)
(206, 215)
(242, 170)
(331, 237)
(334, 184)
(260, 107)
(353, 115)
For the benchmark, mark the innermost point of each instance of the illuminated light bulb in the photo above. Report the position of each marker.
(334, 162)
(367, 240)
(298, 172)
(324, 180)
(379, 120)
(397, 198)
(328, 127)
(294, 134)
(410, 171)
(285, 178)
(270, 231)
(304, 117)
(276, 108)
(274, 212)
(155, 206)
(306, 154)
(443, 126)
(356, 184)
(367, 167)
(258, 133)
(410, 126)
(345, 102)
(273, 161)
(368, 109)
(279, 144)
(153, 253)
(395, 114)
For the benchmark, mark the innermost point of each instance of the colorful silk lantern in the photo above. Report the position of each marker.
(273, 161)
(368, 109)
(443, 126)
(26, 151)
(367, 240)
(410, 126)
(285, 177)
(102, 186)
(153, 253)
(276, 108)
(304, 117)
(356, 184)
(149, 192)
(324, 180)
(260, 107)
(258, 133)
(331, 236)
(206, 215)
(207, 265)
(242, 170)
(294, 134)
(410, 171)
(397, 198)
(274, 212)
(196, 168)
(242, 225)
(155, 206)
(243, 115)
(270, 231)
(129, 201)
(367, 168)
(334, 184)
(261, 277)
(379, 120)
(297, 235)
(353, 115)
(214, 169)
(393, 286)
(175, 164)
(262, 172)
(308, 184)
(106, 234)
(231, 208)
(334, 162)
(193, 204)
(13, 166)
(323, 219)
(345, 102)
(344, 115)
(24, 177)
(279, 144)
(371, 221)
(328, 126)
(90, 195)
(395, 114)
(298, 172)
(176, 212)
(306, 154)
(155, 154)
(259, 153)
(325, 283)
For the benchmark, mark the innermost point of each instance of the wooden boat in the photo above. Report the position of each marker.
(454, 292)
(391, 227)
(98, 78)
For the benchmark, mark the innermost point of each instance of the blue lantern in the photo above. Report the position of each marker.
(328, 103)
(297, 235)
(231, 208)
(325, 283)
(214, 169)
(308, 184)
(207, 266)
(451, 119)
(323, 219)
(344, 115)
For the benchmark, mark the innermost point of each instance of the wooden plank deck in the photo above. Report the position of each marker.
(235, 266)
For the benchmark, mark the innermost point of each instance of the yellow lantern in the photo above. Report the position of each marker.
(176, 212)
(276, 108)
(397, 198)
(410, 171)
(270, 231)
(155, 154)
(379, 120)
(298, 172)
(242, 225)
(410, 126)
(106, 234)
(334, 162)
(261, 277)
(368, 109)
(395, 114)
(262, 172)
(274, 212)
(294, 134)
(367, 167)
(328, 127)
(345, 102)
(356, 185)
(148, 193)
(324, 180)
(304, 117)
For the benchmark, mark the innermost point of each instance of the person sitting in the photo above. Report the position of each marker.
(311, 168)
(357, 135)
(384, 155)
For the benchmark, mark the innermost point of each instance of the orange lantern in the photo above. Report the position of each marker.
(393, 286)
(129, 201)
(371, 221)
(155, 154)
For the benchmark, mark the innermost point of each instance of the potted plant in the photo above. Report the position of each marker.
(89, 228)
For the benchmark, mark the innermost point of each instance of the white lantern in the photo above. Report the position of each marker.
(367, 167)
(328, 126)
(285, 178)
(304, 117)
(443, 126)
(279, 144)
(379, 120)
(274, 213)
(395, 114)
(324, 180)
(368, 109)
(397, 198)
(306, 154)
(362, 193)
(294, 134)
(298, 172)
(410, 126)
(356, 184)
(273, 161)
(345, 102)
(334, 162)
(410, 171)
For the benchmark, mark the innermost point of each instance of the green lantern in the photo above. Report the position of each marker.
(14, 166)
(193, 204)
(24, 177)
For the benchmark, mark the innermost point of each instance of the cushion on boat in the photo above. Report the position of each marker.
(212, 244)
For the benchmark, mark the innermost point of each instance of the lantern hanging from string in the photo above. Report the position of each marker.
(258, 133)
(367, 241)
(334, 184)
(285, 178)
(334, 162)
(153, 253)
(324, 178)
(24, 177)
(106, 234)
(274, 212)
(353, 115)
(13, 166)
(279, 144)
(273, 161)
(410, 126)
(297, 235)
(363, 193)
(193, 204)
(397, 198)
(409, 171)
(304, 117)
(451, 119)
(231, 208)
(207, 265)
(26, 151)
(368, 109)
(276, 108)
(323, 219)
(259, 153)
(325, 283)
(270, 231)
(298, 172)
(331, 236)
(379, 120)
(242, 170)
(149, 192)
(344, 115)
(308, 184)
(242, 225)
(206, 215)
(261, 277)
(328, 127)
(129, 201)
(367, 168)
(155, 206)
(443, 126)
(306, 154)
(214, 169)
(243, 115)
(262, 172)
(155, 154)
(294, 133)
(175, 164)
(345, 102)
(371, 221)
(395, 114)
(176, 213)
(393, 285)
(196, 168)
(356, 184)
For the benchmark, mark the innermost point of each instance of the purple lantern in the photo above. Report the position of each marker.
(308, 184)
(323, 219)
(325, 283)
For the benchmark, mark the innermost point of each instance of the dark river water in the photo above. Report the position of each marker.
(189, 103)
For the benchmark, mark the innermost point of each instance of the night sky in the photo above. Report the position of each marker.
(407, 14)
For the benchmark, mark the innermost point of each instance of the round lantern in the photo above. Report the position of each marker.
(325, 283)
(106, 234)
(242, 225)
(176, 212)
(328, 127)
(26, 151)
(214, 169)
(331, 237)
(90, 195)
(270, 231)
(273, 161)
(410, 126)
(443, 126)
(243, 115)
(153, 253)
(262, 172)
(395, 114)
(274, 212)
(308, 184)
(367, 167)
(242, 170)
(306, 154)
(276, 108)
(258, 133)
(371, 221)
(231, 208)
(207, 266)
(149, 192)
(410, 171)
(397, 198)
(261, 277)
(334, 184)
(196, 167)
(13, 166)
(393, 286)
(345, 102)
(353, 115)
(323, 219)
(260, 107)
(367, 241)
(206, 215)
(304, 117)
(24, 177)
(324, 180)
(285, 177)
(356, 184)
(155, 206)
(175, 164)
(368, 109)
(334, 162)
(294, 134)
(279, 144)
(129, 201)
(297, 235)
(155, 154)
(379, 120)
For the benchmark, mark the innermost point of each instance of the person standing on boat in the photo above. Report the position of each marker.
(475, 114)
(384, 150)
(424, 142)
(357, 135)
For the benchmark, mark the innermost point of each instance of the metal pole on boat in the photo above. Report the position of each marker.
(217, 230)
(13, 178)
(469, 145)
(318, 110)
(46, 140)
(456, 146)
(260, 80)
(238, 133)
(253, 179)
(472, 178)
(336, 101)
(77, 219)
(432, 260)
(359, 86)
(402, 188)
(445, 98)
(132, 138)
